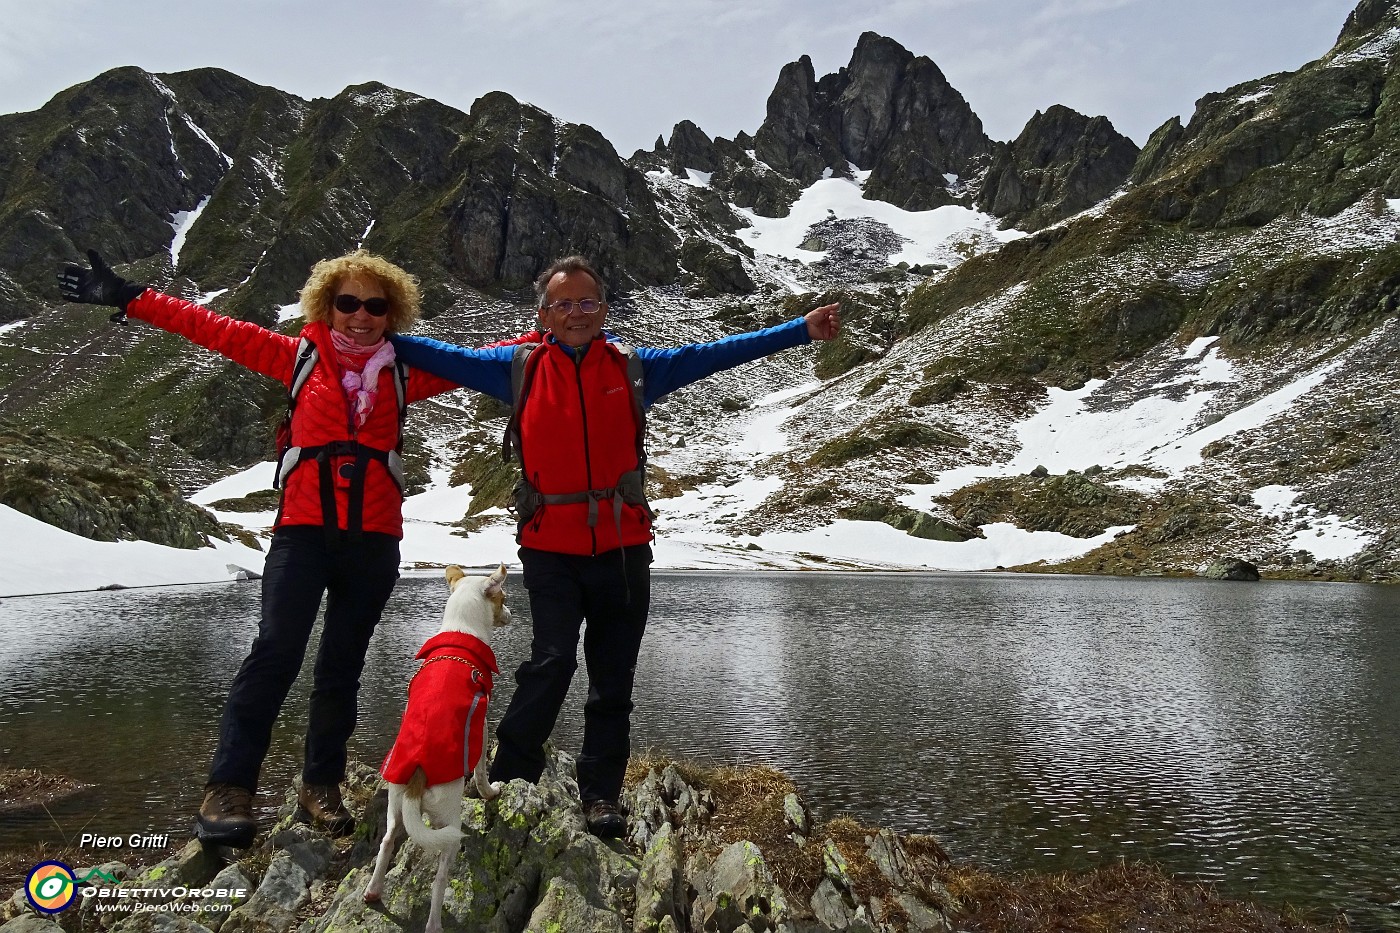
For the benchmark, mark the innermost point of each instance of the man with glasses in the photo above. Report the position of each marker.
(584, 525)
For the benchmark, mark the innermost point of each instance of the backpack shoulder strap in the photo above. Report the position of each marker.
(636, 380)
(518, 361)
(305, 364)
(522, 372)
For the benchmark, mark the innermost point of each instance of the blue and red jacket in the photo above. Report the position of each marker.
(444, 726)
(577, 429)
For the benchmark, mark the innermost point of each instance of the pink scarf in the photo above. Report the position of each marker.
(361, 366)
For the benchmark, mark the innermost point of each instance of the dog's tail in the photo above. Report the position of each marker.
(437, 839)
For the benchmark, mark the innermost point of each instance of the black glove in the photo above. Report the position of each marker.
(97, 286)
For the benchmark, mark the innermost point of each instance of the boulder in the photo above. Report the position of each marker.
(736, 889)
(1231, 568)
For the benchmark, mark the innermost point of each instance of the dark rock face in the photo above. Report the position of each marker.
(1315, 141)
(1158, 150)
(716, 270)
(887, 111)
(106, 164)
(1364, 19)
(1062, 163)
(691, 148)
(484, 199)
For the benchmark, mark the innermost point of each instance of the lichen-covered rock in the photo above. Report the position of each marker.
(660, 884)
(795, 812)
(887, 855)
(284, 890)
(214, 911)
(31, 923)
(738, 888)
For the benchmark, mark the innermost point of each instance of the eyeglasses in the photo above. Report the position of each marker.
(349, 304)
(566, 307)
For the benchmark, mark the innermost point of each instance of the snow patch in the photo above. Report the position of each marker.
(869, 543)
(924, 231)
(181, 222)
(1326, 537)
(289, 312)
(1379, 47)
(54, 561)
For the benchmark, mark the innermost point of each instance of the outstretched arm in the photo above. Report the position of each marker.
(486, 370)
(244, 342)
(670, 368)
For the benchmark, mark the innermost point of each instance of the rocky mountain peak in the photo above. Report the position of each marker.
(1060, 164)
(1366, 17)
(887, 111)
(691, 148)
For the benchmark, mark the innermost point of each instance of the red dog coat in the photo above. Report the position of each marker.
(444, 727)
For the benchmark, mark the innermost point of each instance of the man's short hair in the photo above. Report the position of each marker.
(566, 265)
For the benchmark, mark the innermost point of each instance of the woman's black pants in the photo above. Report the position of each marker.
(301, 566)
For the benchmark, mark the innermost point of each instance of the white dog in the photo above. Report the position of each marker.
(443, 734)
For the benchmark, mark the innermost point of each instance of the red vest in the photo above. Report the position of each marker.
(577, 432)
(444, 727)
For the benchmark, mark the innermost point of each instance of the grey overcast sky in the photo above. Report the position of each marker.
(633, 68)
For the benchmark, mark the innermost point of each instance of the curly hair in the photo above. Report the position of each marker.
(399, 286)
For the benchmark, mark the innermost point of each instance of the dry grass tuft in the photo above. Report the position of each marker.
(25, 788)
(1127, 897)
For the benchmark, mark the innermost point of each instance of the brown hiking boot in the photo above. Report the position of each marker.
(321, 804)
(226, 816)
(603, 819)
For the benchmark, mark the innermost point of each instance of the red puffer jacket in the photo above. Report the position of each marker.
(323, 413)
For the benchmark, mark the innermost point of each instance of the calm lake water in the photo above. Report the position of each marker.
(1243, 734)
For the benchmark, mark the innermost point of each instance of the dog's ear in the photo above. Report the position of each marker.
(496, 582)
(453, 574)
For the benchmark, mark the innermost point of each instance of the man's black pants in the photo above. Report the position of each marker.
(301, 566)
(612, 596)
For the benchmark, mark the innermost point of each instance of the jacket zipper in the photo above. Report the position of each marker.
(587, 465)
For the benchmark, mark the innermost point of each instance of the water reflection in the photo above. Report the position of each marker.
(1242, 734)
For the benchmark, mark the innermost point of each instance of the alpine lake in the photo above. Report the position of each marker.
(1242, 734)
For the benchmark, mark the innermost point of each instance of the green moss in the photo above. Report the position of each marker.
(1072, 504)
(899, 434)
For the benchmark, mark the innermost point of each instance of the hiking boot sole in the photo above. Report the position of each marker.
(236, 837)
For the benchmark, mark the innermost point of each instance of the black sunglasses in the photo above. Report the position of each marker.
(349, 304)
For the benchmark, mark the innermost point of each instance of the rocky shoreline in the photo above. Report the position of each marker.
(718, 851)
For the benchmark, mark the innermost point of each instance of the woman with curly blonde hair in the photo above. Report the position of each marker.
(338, 523)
